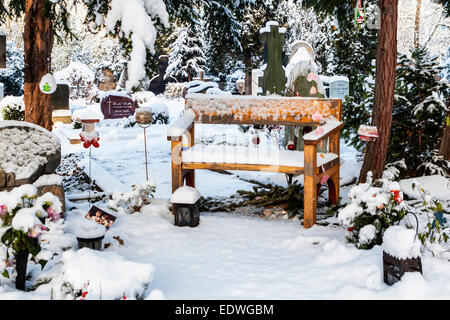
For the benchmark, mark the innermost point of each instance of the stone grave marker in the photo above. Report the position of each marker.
(158, 84)
(2, 51)
(59, 99)
(106, 80)
(117, 106)
(273, 79)
(339, 87)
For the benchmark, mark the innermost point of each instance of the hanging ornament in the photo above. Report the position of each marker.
(360, 15)
(368, 133)
(324, 180)
(297, 131)
(90, 139)
(291, 146)
(313, 90)
(47, 84)
(311, 77)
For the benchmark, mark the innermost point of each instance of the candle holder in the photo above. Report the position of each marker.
(143, 117)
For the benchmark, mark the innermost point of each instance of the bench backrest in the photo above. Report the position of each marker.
(262, 110)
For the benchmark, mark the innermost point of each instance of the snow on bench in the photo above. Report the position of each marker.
(181, 125)
(322, 131)
(202, 153)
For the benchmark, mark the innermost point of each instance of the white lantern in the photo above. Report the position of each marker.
(47, 84)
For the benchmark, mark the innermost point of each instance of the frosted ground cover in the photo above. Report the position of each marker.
(228, 256)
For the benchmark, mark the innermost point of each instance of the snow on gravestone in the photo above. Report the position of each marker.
(116, 105)
(27, 151)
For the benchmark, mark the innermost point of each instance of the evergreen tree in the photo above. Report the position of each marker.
(187, 57)
(419, 114)
(12, 76)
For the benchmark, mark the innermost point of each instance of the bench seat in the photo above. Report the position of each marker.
(207, 156)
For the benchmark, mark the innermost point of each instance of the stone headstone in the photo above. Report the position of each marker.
(158, 84)
(115, 106)
(273, 79)
(2, 51)
(339, 87)
(106, 80)
(59, 99)
(27, 151)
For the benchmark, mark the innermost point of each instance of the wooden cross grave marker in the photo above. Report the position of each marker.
(274, 78)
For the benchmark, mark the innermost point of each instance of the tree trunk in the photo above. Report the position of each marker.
(38, 43)
(375, 157)
(417, 24)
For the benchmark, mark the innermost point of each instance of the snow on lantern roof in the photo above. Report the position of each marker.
(185, 195)
(400, 243)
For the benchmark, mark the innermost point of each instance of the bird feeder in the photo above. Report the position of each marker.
(143, 117)
(185, 204)
(368, 133)
(401, 253)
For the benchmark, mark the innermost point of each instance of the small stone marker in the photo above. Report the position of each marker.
(59, 100)
(339, 87)
(106, 80)
(115, 106)
(273, 79)
(158, 84)
(2, 51)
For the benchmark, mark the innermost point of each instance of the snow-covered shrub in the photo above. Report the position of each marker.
(131, 202)
(437, 231)
(12, 76)
(174, 90)
(374, 207)
(81, 80)
(28, 221)
(12, 108)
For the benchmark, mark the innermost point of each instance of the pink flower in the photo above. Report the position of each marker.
(312, 76)
(52, 214)
(35, 232)
(3, 211)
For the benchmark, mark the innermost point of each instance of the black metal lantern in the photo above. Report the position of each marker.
(186, 215)
(394, 268)
(91, 243)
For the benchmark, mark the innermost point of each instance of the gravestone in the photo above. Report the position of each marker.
(273, 79)
(27, 151)
(106, 80)
(117, 106)
(2, 90)
(339, 87)
(2, 51)
(158, 84)
(59, 100)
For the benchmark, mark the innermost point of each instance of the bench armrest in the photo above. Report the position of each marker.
(323, 132)
(181, 125)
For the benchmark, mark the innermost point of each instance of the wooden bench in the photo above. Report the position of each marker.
(261, 110)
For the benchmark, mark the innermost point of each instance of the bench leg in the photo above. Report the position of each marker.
(310, 202)
(177, 172)
(190, 178)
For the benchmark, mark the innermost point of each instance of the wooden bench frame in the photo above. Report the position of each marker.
(211, 109)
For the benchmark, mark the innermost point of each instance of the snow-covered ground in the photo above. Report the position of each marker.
(229, 255)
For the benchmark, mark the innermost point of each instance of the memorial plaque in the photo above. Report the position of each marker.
(59, 100)
(339, 87)
(2, 51)
(114, 107)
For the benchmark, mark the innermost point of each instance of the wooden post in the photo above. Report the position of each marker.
(190, 173)
(310, 196)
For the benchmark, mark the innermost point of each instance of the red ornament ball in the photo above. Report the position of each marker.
(256, 139)
(86, 144)
(291, 146)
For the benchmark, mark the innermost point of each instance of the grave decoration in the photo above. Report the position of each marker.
(303, 80)
(273, 80)
(2, 50)
(158, 83)
(47, 84)
(360, 13)
(89, 136)
(401, 253)
(144, 120)
(90, 234)
(100, 216)
(368, 133)
(185, 202)
(115, 105)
